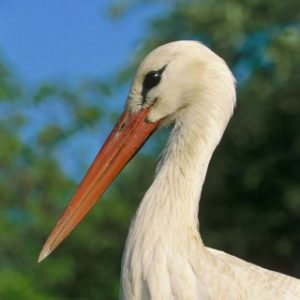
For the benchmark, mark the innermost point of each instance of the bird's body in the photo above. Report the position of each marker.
(183, 83)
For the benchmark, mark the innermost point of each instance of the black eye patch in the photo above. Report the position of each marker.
(151, 80)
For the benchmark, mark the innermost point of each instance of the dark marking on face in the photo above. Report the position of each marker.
(151, 80)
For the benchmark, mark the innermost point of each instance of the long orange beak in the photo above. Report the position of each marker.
(129, 134)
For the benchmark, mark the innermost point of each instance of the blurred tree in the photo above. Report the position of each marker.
(34, 190)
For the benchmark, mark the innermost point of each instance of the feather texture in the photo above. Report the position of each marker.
(165, 257)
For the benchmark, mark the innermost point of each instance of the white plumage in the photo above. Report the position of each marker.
(183, 83)
(165, 257)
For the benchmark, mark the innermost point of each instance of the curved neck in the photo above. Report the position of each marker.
(172, 201)
(168, 214)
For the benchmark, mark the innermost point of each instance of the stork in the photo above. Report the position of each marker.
(188, 85)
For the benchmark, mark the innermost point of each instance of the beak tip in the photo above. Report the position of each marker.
(44, 253)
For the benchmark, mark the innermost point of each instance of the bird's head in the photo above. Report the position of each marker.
(173, 81)
(179, 76)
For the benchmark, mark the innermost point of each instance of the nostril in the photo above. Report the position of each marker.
(120, 129)
(122, 126)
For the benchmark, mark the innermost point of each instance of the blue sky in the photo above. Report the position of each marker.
(68, 39)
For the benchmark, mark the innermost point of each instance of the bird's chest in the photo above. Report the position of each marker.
(160, 270)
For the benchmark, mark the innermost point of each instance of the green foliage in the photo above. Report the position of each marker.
(250, 205)
(9, 90)
(34, 191)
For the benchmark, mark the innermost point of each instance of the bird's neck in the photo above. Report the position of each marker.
(172, 201)
(167, 218)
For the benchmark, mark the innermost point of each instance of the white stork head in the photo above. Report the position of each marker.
(179, 76)
(182, 81)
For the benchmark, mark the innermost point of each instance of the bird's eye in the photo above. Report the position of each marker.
(151, 80)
